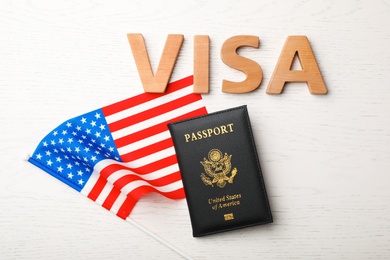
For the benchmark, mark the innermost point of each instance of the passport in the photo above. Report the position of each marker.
(221, 172)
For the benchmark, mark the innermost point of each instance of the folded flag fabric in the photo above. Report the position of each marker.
(116, 154)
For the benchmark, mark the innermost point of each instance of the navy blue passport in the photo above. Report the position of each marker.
(221, 172)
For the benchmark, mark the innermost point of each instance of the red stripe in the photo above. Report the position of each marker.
(97, 189)
(127, 207)
(147, 150)
(156, 129)
(111, 198)
(144, 97)
(110, 169)
(153, 112)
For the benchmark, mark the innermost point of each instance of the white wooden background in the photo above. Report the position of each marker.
(326, 159)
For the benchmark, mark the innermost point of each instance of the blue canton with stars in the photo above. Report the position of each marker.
(70, 151)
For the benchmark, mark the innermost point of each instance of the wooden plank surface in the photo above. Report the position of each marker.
(325, 158)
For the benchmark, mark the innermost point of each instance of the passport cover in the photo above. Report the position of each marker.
(221, 172)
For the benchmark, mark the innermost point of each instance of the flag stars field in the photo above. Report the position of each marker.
(65, 142)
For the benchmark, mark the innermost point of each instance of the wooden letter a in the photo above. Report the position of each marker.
(155, 83)
(310, 73)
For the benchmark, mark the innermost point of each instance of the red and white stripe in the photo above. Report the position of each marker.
(139, 128)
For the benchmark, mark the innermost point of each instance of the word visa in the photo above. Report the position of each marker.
(294, 46)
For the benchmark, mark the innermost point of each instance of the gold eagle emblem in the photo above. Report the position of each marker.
(217, 168)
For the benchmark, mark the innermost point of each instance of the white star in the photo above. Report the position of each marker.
(64, 132)
(70, 140)
(88, 131)
(86, 149)
(53, 142)
(97, 115)
(97, 152)
(58, 159)
(93, 158)
(39, 156)
(74, 133)
(49, 162)
(45, 144)
(48, 153)
(59, 169)
(87, 169)
(93, 123)
(102, 145)
(107, 138)
(81, 182)
(55, 150)
(55, 133)
(61, 141)
(97, 134)
(77, 163)
(83, 120)
(102, 127)
(78, 128)
(70, 175)
(111, 149)
(69, 149)
(93, 141)
(80, 141)
(69, 166)
(68, 124)
(77, 149)
(85, 159)
(80, 173)
(66, 157)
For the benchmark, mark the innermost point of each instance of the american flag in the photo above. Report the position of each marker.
(118, 153)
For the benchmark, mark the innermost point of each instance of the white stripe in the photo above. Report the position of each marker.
(104, 194)
(150, 176)
(144, 142)
(158, 119)
(103, 164)
(167, 188)
(149, 104)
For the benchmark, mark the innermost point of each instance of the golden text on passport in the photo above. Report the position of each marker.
(209, 132)
(225, 201)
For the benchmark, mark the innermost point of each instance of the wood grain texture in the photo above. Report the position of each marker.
(155, 82)
(309, 72)
(325, 159)
(201, 64)
(252, 70)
